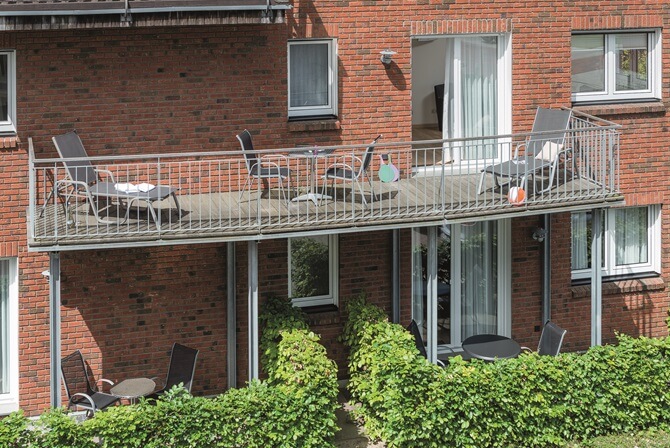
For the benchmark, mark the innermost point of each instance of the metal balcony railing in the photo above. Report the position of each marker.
(405, 182)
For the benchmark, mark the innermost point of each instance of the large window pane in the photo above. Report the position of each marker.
(631, 57)
(631, 236)
(309, 75)
(4, 327)
(4, 87)
(479, 279)
(309, 267)
(588, 63)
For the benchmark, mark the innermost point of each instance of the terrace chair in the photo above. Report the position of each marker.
(551, 340)
(262, 168)
(83, 181)
(180, 371)
(418, 341)
(543, 151)
(78, 387)
(353, 171)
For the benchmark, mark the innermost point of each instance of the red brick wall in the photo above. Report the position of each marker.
(124, 309)
(190, 89)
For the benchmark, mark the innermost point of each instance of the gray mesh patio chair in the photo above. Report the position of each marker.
(418, 341)
(180, 371)
(351, 169)
(541, 152)
(551, 340)
(83, 181)
(78, 387)
(263, 168)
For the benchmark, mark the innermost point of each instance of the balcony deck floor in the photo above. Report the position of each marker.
(227, 216)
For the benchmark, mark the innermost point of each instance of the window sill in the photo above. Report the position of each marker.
(328, 124)
(322, 315)
(600, 110)
(621, 287)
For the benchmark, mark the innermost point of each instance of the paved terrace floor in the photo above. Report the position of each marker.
(227, 216)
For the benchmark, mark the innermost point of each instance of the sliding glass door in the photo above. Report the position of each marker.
(473, 293)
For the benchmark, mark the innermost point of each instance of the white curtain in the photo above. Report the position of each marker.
(4, 323)
(309, 75)
(581, 258)
(479, 279)
(631, 236)
(471, 100)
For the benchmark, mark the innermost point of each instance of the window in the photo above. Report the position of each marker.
(631, 242)
(616, 66)
(7, 92)
(312, 75)
(313, 278)
(9, 350)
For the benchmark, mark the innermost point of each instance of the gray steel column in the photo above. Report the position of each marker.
(395, 280)
(253, 310)
(431, 290)
(596, 278)
(54, 327)
(546, 265)
(231, 316)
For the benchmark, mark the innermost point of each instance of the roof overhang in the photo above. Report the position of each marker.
(31, 14)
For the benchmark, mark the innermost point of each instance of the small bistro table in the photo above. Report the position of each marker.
(491, 347)
(133, 388)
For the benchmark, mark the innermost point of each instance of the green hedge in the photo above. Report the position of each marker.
(294, 407)
(530, 401)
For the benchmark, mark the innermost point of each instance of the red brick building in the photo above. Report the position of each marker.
(158, 91)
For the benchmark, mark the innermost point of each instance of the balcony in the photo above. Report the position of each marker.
(437, 180)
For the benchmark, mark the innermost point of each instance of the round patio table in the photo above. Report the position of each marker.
(491, 347)
(133, 388)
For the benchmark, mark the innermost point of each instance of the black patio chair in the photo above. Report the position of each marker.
(78, 387)
(418, 341)
(352, 169)
(551, 340)
(181, 370)
(263, 168)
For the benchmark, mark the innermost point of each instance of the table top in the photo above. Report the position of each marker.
(313, 152)
(490, 347)
(133, 388)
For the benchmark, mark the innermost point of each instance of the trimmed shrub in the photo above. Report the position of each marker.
(295, 407)
(530, 401)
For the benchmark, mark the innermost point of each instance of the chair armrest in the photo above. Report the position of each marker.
(341, 162)
(440, 363)
(107, 172)
(160, 382)
(85, 396)
(104, 381)
(527, 349)
(516, 149)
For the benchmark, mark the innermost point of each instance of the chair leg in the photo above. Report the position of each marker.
(481, 182)
(244, 188)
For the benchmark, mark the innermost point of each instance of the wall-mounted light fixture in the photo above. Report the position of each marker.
(387, 56)
(539, 234)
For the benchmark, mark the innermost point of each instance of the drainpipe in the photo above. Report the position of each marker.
(231, 318)
(395, 276)
(253, 310)
(54, 326)
(546, 275)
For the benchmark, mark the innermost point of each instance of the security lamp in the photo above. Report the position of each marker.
(387, 56)
(539, 234)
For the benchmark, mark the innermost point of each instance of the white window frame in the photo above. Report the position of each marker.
(609, 268)
(654, 70)
(333, 266)
(9, 402)
(314, 111)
